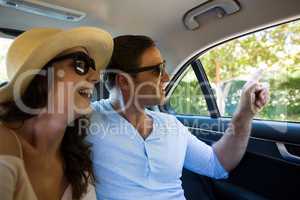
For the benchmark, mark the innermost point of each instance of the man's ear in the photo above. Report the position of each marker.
(122, 82)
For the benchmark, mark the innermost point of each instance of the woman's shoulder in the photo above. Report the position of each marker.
(9, 142)
(89, 195)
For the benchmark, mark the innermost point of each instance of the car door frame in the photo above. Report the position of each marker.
(269, 139)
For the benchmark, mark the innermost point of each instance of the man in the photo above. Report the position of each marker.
(140, 154)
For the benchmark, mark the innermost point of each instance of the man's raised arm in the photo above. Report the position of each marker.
(232, 146)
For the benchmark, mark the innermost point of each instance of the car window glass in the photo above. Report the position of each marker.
(187, 98)
(277, 50)
(4, 45)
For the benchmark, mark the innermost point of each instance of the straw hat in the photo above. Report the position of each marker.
(34, 48)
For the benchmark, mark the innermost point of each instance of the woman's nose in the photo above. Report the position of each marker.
(93, 76)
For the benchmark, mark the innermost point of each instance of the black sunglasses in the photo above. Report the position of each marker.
(81, 62)
(159, 68)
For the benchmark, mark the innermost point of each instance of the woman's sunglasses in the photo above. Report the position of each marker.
(81, 62)
(159, 69)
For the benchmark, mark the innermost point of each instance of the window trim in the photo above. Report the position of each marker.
(11, 32)
(207, 91)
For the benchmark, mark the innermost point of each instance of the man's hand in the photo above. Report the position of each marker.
(232, 146)
(254, 97)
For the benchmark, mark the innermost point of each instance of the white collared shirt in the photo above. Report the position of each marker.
(129, 167)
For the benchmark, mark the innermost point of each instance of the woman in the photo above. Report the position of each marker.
(42, 150)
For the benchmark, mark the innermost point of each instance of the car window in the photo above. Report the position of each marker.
(187, 98)
(4, 45)
(277, 51)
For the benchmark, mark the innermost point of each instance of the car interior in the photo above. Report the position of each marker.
(211, 48)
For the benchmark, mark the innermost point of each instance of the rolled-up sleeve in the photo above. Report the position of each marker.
(201, 158)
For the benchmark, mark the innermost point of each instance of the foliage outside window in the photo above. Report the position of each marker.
(230, 65)
(187, 97)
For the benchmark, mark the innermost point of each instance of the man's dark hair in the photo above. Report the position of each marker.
(127, 53)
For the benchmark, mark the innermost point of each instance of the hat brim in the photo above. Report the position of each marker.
(98, 43)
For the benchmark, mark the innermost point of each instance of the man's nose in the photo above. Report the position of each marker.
(165, 76)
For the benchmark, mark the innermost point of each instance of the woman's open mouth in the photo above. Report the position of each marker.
(86, 93)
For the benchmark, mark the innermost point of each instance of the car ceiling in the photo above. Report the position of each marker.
(163, 21)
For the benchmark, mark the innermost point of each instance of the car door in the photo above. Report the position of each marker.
(205, 92)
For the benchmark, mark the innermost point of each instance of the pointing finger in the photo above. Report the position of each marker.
(257, 75)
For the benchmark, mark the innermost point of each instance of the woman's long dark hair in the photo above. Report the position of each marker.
(75, 151)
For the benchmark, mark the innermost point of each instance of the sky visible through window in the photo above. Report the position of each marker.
(4, 45)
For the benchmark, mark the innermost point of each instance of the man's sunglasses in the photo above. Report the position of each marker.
(81, 62)
(159, 69)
